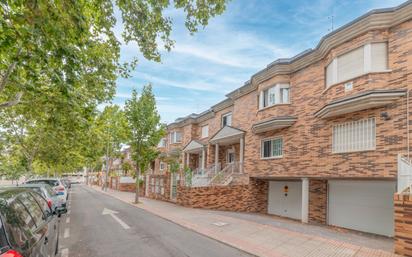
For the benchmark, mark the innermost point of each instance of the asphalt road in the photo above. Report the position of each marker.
(85, 231)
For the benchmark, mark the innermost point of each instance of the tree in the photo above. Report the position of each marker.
(145, 130)
(73, 46)
(113, 125)
(59, 60)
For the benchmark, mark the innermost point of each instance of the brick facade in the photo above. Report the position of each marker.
(245, 198)
(318, 191)
(163, 194)
(307, 144)
(403, 224)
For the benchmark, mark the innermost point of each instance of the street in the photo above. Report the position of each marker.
(98, 225)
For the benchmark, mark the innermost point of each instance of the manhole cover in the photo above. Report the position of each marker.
(220, 224)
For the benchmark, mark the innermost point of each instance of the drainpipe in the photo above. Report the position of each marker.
(407, 123)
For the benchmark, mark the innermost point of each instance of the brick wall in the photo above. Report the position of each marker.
(308, 143)
(403, 224)
(165, 196)
(318, 192)
(128, 187)
(246, 198)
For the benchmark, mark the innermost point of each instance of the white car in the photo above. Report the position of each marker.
(55, 183)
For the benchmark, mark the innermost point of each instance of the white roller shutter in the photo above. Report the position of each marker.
(285, 204)
(362, 205)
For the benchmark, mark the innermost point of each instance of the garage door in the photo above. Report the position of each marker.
(285, 199)
(362, 205)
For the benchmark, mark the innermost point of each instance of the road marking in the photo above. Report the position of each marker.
(113, 214)
(66, 232)
(68, 220)
(219, 224)
(65, 252)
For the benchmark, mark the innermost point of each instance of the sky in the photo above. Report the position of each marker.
(202, 68)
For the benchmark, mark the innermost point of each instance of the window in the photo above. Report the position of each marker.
(368, 58)
(278, 94)
(43, 204)
(205, 131)
(162, 166)
(272, 148)
(175, 137)
(33, 208)
(24, 219)
(20, 223)
(354, 136)
(227, 119)
(162, 143)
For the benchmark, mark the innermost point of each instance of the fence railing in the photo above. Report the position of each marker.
(404, 173)
(225, 176)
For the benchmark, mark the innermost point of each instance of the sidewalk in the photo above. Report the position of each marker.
(263, 235)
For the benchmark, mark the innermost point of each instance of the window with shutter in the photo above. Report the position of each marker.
(368, 58)
(351, 64)
(379, 56)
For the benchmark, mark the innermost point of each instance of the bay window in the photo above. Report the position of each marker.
(278, 94)
(371, 57)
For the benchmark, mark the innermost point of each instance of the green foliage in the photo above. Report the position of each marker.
(144, 127)
(70, 46)
(126, 167)
(59, 60)
(188, 173)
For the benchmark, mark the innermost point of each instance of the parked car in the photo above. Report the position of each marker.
(55, 202)
(55, 183)
(28, 227)
(67, 183)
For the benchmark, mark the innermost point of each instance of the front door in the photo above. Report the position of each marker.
(230, 156)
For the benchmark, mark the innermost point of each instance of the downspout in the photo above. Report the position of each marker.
(407, 124)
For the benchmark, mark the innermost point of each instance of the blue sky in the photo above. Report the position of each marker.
(203, 67)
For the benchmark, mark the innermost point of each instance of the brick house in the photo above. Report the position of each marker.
(316, 137)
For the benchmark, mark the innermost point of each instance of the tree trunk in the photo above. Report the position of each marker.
(136, 198)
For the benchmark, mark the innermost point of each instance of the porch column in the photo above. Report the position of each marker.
(203, 159)
(305, 200)
(183, 159)
(216, 157)
(242, 146)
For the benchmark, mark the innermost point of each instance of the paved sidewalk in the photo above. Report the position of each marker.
(263, 235)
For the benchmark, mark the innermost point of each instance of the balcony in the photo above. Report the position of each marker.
(366, 100)
(273, 124)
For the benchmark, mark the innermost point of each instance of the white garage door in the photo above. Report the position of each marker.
(286, 204)
(362, 205)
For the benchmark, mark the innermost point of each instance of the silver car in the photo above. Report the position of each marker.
(55, 202)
